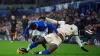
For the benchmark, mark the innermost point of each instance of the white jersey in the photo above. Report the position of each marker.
(66, 29)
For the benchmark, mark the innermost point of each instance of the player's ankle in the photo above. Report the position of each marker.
(28, 49)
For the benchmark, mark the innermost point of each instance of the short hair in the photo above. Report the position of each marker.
(42, 18)
(32, 26)
(71, 18)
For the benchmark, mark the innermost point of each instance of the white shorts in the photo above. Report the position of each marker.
(53, 38)
(39, 33)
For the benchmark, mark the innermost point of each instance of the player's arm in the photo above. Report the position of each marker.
(27, 29)
(52, 21)
(53, 28)
(78, 40)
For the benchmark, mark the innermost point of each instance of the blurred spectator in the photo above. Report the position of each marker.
(25, 22)
(13, 23)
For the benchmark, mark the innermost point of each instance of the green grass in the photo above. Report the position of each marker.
(9, 49)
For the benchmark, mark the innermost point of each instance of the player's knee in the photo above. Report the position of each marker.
(38, 42)
(53, 47)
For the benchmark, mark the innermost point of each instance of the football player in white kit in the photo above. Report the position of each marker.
(56, 39)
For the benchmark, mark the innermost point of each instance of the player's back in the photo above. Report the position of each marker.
(41, 24)
(67, 29)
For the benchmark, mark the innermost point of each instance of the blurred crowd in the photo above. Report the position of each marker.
(87, 23)
(33, 1)
(17, 2)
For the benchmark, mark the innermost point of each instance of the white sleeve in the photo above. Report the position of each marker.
(61, 22)
(54, 21)
(77, 37)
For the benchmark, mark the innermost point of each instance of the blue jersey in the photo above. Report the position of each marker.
(41, 26)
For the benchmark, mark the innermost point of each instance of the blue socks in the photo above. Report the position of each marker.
(33, 45)
(45, 52)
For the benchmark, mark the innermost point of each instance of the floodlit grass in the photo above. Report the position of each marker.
(8, 48)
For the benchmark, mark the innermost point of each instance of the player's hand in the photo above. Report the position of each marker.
(84, 49)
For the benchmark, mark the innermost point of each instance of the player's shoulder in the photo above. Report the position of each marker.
(74, 26)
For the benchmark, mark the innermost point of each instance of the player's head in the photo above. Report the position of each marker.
(33, 26)
(12, 17)
(24, 17)
(42, 18)
(69, 20)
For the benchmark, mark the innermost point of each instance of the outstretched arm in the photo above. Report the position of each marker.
(52, 21)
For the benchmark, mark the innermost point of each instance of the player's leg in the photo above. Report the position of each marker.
(44, 33)
(36, 38)
(12, 34)
(44, 45)
(51, 49)
(54, 43)
(34, 44)
(33, 38)
(35, 34)
(39, 34)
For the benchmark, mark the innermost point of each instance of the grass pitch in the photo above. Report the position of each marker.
(8, 48)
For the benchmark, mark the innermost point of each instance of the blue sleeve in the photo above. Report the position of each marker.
(53, 28)
(26, 31)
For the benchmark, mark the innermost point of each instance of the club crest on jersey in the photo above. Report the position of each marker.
(71, 28)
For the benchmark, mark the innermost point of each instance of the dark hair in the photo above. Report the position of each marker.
(71, 18)
(42, 18)
(33, 26)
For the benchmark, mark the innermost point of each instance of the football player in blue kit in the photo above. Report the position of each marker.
(40, 29)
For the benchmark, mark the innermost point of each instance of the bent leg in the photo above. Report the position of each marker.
(33, 38)
(36, 43)
(51, 49)
(54, 42)
(44, 45)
